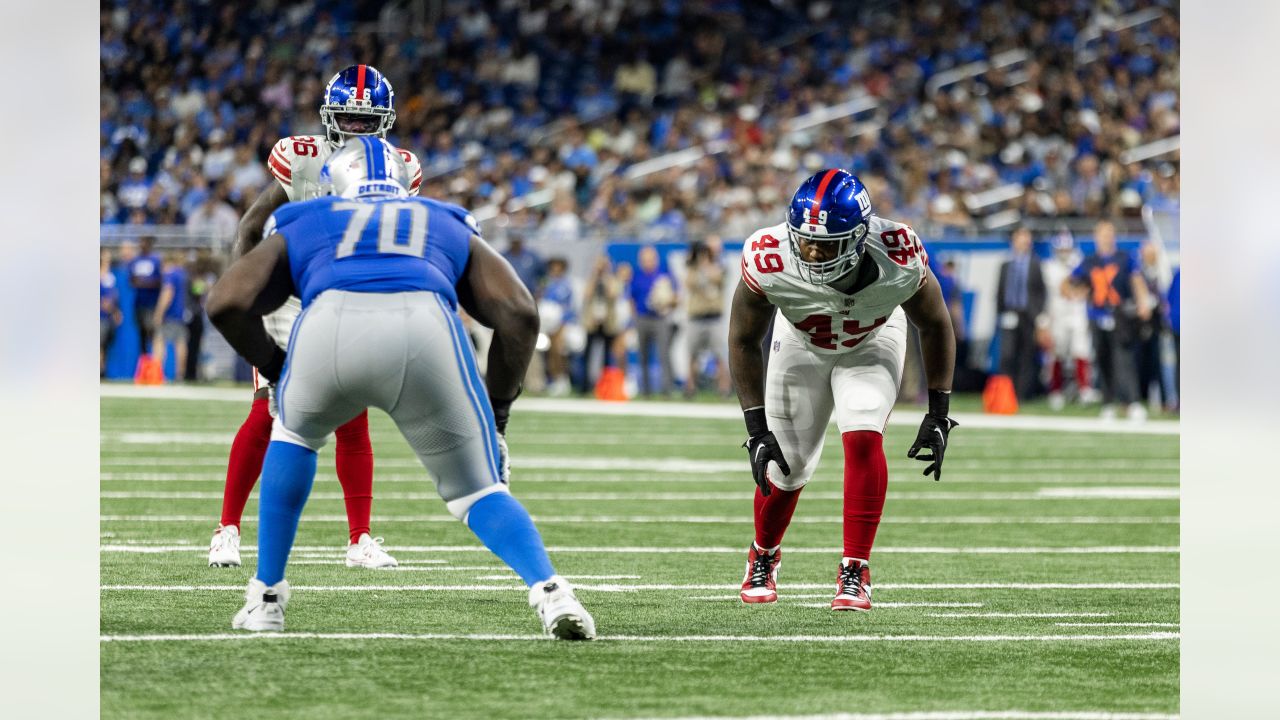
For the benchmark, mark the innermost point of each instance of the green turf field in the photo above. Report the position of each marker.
(1040, 575)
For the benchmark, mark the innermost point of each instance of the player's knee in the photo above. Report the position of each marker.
(801, 473)
(459, 506)
(284, 434)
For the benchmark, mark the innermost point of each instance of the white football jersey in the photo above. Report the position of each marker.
(296, 161)
(833, 321)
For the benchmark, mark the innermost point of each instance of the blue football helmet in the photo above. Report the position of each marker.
(365, 167)
(359, 90)
(832, 206)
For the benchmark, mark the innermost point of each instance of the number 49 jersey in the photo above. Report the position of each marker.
(296, 161)
(375, 245)
(833, 321)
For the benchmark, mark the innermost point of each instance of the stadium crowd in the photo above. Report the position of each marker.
(551, 121)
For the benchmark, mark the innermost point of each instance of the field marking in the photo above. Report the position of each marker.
(717, 411)
(1154, 479)
(1018, 615)
(146, 548)
(744, 519)
(613, 587)
(1118, 624)
(960, 715)
(648, 638)
(1101, 493)
(786, 598)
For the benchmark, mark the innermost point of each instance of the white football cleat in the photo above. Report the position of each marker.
(368, 553)
(561, 614)
(263, 609)
(224, 548)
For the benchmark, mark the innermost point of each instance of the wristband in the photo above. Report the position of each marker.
(271, 371)
(757, 425)
(502, 410)
(939, 403)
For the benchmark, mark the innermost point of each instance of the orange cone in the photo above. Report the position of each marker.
(998, 398)
(610, 385)
(148, 372)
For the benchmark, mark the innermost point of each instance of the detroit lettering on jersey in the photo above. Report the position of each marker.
(295, 162)
(835, 321)
(376, 245)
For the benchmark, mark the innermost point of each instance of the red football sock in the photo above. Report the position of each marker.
(773, 515)
(1082, 373)
(865, 479)
(245, 463)
(1055, 377)
(354, 460)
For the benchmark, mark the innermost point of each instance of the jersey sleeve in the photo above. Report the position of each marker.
(414, 166)
(280, 163)
(761, 258)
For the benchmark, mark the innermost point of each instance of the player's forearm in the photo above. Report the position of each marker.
(938, 350)
(515, 334)
(746, 364)
(246, 335)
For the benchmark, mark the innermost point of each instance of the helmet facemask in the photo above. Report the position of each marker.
(848, 252)
(330, 112)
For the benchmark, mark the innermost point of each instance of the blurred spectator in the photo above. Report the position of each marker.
(145, 276)
(109, 316)
(204, 273)
(606, 314)
(706, 332)
(559, 313)
(170, 314)
(1151, 330)
(1174, 301)
(1068, 327)
(214, 218)
(528, 265)
(1116, 299)
(1020, 304)
(653, 295)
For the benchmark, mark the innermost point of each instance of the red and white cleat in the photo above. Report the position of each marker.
(760, 583)
(853, 586)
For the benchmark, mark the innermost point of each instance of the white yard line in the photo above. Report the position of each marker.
(718, 411)
(1018, 615)
(1118, 624)
(744, 519)
(148, 548)
(960, 715)
(645, 638)
(1103, 493)
(614, 587)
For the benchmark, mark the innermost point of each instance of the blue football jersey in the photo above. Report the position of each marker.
(375, 245)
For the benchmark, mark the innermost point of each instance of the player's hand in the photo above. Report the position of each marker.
(504, 459)
(932, 436)
(761, 449)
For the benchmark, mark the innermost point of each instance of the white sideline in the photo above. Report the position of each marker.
(1117, 624)
(697, 519)
(1019, 615)
(718, 411)
(146, 548)
(960, 715)
(648, 638)
(613, 587)
(1100, 493)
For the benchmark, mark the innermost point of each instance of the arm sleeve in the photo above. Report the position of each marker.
(281, 165)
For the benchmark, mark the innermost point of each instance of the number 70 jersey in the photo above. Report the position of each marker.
(375, 245)
(833, 321)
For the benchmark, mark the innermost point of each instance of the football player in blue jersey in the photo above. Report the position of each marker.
(380, 275)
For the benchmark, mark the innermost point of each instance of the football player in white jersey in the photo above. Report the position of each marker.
(839, 284)
(1068, 326)
(357, 101)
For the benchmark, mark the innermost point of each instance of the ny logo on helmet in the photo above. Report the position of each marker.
(864, 201)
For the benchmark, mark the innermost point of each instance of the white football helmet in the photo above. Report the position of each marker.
(366, 166)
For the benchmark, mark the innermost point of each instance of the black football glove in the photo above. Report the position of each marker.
(762, 447)
(933, 433)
